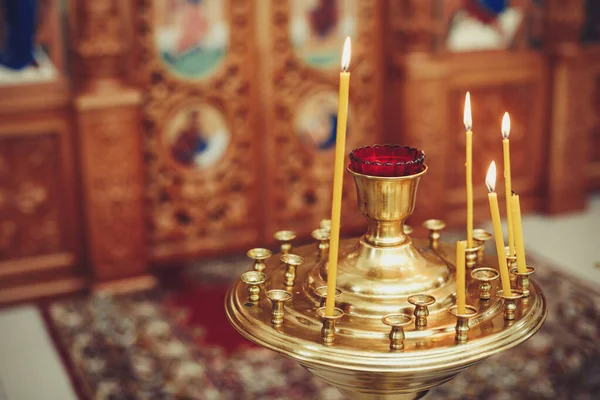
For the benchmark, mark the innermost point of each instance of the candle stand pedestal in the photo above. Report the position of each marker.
(377, 273)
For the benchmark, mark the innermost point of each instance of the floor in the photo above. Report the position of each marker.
(30, 368)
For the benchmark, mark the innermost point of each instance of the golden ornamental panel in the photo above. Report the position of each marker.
(300, 137)
(199, 125)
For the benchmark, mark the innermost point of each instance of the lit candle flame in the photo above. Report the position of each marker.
(490, 178)
(505, 125)
(467, 119)
(346, 55)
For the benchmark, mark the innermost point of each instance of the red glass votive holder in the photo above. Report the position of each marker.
(387, 160)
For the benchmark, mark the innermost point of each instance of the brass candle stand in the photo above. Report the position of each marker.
(285, 239)
(322, 236)
(485, 276)
(356, 349)
(510, 303)
(523, 279)
(397, 323)
(462, 322)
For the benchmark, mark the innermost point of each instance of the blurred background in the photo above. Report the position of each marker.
(146, 142)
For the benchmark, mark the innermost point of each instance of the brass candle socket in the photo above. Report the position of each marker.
(285, 238)
(325, 224)
(471, 256)
(435, 227)
(253, 279)
(259, 255)
(278, 297)
(510, 303)
(329, 321)
(291, 262)
(397, 323)
(408, 230)
(321, 293)
(523, 279)
(480, 236)
(485, 276)
(421, 303)
(322, 235)
(462, 322)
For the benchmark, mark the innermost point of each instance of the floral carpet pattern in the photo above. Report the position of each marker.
(151, 346)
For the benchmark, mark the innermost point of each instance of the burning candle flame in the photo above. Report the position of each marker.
(505, 125)
(346, 55)
(467, 119)
(490, 178)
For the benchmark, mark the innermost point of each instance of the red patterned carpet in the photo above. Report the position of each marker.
(177, 344)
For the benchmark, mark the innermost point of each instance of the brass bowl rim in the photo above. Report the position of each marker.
(454, 311)
(274, 295)
(327, 223)
(396, 319)
(516, 294)
(473, 249)
(318, 292)
(389, 178)
(515, 271)
(325, 234)
(438, 224)
(261, 277)
(292, 259)
(495, 274)
(259, 253)
(482, 234)
(284, 235)
(421, 300)
(338, 313)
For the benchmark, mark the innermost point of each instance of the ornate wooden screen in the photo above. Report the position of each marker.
(431, 73)
(199, 118)
(303, 42)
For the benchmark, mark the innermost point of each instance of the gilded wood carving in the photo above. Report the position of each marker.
(200, 132)
(300, 171)
(30, 197)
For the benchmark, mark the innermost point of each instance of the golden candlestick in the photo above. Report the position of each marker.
(435, 227)
(377, 274)
(285, 239)
(278, 297)
(397, 323)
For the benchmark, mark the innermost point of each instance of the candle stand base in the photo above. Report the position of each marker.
(377, 273)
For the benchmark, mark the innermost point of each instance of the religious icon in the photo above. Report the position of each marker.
(318, 29)
(197, 136)
(591, 27)
(484, 24)
(191, 36)
(28, 39)
(316, 121)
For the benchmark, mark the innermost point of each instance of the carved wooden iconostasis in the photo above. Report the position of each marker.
(200, 114)
(302, 51)
(40, 249)
(591, 56)
(442, 49)
(182, 129)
